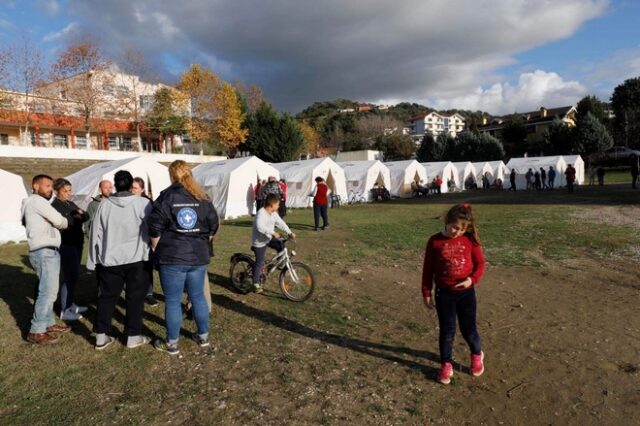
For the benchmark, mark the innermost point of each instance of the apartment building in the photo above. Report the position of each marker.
(436, 123)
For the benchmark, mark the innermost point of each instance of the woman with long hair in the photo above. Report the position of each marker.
(181, 228)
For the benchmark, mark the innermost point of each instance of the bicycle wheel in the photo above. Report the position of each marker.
(241, 274)
(300, 290)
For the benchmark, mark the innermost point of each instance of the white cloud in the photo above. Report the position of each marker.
(603, 76)
(50, 7)
(69, 31)
(533, 90)
(301, 51)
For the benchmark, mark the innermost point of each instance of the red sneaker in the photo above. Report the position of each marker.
(446, 372)
(477, 365)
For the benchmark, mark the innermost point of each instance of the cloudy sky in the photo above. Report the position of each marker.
(500, 56)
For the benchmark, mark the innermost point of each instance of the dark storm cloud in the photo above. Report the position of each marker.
(301, 51)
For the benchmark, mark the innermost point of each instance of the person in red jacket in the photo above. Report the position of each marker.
(454, 263)
(320, 196)
(570, 174)
(282, 211)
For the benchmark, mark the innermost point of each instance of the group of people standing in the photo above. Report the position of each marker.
(271, 186)
(539, 180)
(128, 236)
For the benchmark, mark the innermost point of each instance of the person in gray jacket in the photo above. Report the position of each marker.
(119, 252)
(43, 223)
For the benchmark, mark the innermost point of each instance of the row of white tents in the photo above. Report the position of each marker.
(231, 183)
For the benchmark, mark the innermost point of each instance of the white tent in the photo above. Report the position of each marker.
(446, 170)
(230, 184)
(362, 175)
(483, 167)
(466, 169)
(578, 163)
(300, 177)
(500, 171)
(402, 174)
(13, 191)
(522, 165)
(85, 182)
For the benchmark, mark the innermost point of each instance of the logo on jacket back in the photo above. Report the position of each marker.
(187, 218)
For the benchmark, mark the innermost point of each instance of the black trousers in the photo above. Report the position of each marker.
(449, 305)
(111, 280)
(282, 210)
(261, 253)
(570, 186)
(319, 210)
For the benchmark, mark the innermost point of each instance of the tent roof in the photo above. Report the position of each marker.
(350, 167)
(215, 172)
(293, 166)
(396, 165)
(534, 162)
(573, 159)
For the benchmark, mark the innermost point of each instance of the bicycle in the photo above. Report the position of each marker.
(296, 279)
(356, 197)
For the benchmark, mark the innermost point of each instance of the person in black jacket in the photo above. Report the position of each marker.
(70, 249)
(181, 227)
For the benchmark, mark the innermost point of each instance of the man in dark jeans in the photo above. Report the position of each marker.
(320, 202)
(119, 251)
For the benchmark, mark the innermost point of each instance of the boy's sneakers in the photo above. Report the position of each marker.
(477, 364)
(202, 342)
(257, 288)
(165, 346)
(104, 343)
(43, 338)
(446, 372)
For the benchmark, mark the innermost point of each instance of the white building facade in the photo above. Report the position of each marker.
(436, 124)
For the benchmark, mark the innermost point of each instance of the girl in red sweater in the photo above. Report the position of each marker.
(455, 263)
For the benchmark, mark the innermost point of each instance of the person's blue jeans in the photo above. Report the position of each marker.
(174, 280)
(460, 304)
(70, 257)
(46, 263)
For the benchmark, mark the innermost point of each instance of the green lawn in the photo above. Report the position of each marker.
(348, 356)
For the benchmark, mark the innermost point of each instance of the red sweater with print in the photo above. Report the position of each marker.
(448, 261)
(321, 194)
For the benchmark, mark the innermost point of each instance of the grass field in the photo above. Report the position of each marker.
(558, 314)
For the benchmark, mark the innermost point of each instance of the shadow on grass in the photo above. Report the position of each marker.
(378, 350)
(615, 194)
(249, 224)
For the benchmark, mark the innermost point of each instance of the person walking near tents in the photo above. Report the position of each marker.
(529, 178)
(512, 180)
(258, 194)
(591, 171)
(600, 173)
(70, 249)
(537, 184)
(320, 196)
(43, 223)
(138, 189)
(119, 252)
(635, 171)
(543, 178)
(182, 227)
(552, 176)
(282, 211)
(570, 174)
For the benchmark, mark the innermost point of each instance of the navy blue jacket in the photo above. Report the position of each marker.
(184, 225)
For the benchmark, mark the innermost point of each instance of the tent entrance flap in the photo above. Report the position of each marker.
(331, 182)
(416, 177)
(380, 179)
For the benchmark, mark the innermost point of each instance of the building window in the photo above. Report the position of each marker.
(4, 139)
(33, 138)
(146, 101)
(122, 90)
(60, 141)
(108, 89)
(63, 94)
(6, 103)
(81, 142)
(446, 123)
(126, 144)
(113, 142)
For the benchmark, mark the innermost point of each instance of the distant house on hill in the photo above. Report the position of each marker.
(536, 122)
(436, 123)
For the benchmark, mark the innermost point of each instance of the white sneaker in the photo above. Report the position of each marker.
(78, 309)
(135, 341)
(69, 315)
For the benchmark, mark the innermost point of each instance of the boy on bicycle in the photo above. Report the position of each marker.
(265, 235)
